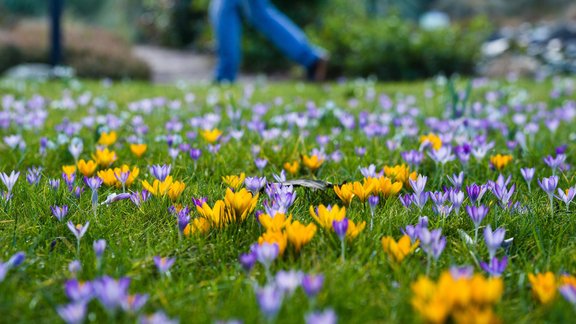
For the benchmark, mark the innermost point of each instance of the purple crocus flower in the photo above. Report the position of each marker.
(247, 260)
(79, 292)
(99, 248)
(111, 292)
(13, 262)
(160, 172)
(493, 239)
(569, 293)
(443, 155)
(288, 281)
(269, 299)
(73, 313)
(114, 197)
(419, 184)
(461, 272)
(406, 200)
(528, 175)
(78, 230)
(163, 264)
(93, 183)
(255, 184)
(199, 201)
(548, 184)
(156, 318)
(432, 242)
(369, 172)
(413, 157)
(327, 316)
(457, 180)
(413, 231)
(9, 180)
(340, 227)
(260, 163)
(555, 163)
(195, 153)
(74, 267)
(477, 213)
(33, 175)
(496, 266)
(373, 202)
(438, 197)
(456, 197)
(566, 195)
(312, 284)
(59, 212)
(266, 253)
(475, 192)
(54, 183)
(133, 303)
(420, 199)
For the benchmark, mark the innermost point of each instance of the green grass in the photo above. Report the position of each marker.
(207, 283)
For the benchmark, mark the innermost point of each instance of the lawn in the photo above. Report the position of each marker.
(241, 248)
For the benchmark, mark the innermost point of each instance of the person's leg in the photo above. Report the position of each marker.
(282, 32)
(225, 18)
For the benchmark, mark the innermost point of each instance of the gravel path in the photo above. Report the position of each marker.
(170, 65)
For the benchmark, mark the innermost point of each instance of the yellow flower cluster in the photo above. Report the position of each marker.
(500, 161)
(400, 173)
(370, 186)
(324, 216)
(397, 251)
(281, 230)
(167, 187)
(104, 157)
(461, 300)
(234, 208)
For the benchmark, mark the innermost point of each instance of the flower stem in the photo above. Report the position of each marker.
(343, 249)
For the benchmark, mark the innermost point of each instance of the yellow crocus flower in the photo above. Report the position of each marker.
(104, 157)
(387, 188)
(312, 162)
(345, 193)
(87, 168)
(365, 189)
(198, 225)
(176, 189)
(158, 188)
(300, 234)
(211, 136)
(431, 139)
(107, 139)
(324, 216)
(398, 250)
(240, 203)
(69, 170)
(108, 177)
(354, 229)
(276, 223)
(500, 161)
(234, 181)
(292, 168)
(543, 286)
(138, 149)
(271, 237)
(216, 215)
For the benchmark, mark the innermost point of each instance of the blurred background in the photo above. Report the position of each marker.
(166, 40)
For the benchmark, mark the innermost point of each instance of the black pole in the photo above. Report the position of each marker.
(56, 32)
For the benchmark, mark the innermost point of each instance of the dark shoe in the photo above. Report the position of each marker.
(317, 72)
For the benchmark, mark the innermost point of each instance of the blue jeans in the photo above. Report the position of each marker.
(281, 31)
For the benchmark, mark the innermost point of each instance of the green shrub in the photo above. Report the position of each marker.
(92, 52)
(394, 49)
